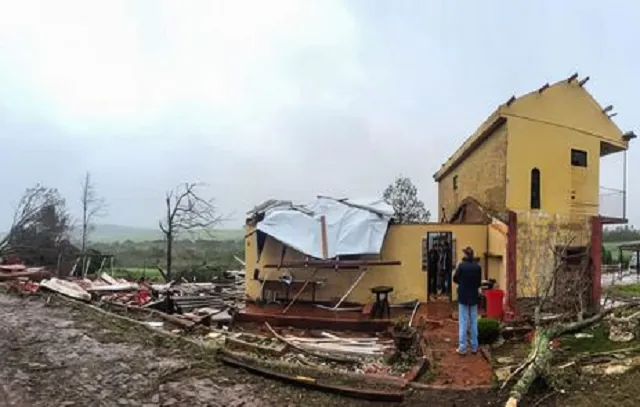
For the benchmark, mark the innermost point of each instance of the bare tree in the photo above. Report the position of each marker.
(93, 206)
(186, 211)
(403, 196)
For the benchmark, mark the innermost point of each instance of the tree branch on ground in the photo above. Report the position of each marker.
(93, 207)
(557, 266)
(402, 195)
(186, 211)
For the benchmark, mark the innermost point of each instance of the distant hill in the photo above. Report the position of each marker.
(106, 233)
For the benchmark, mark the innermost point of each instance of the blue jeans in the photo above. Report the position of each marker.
(467, 315)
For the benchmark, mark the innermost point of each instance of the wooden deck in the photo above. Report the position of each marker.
(309, 316)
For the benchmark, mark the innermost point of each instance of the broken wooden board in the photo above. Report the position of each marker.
(253, 343)
(66, 288)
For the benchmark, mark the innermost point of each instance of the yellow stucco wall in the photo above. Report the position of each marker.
(497, 250)
(543, 128)
(403, 243)
(538, 234)
(482, 175)
(564, 189)
(570, 106)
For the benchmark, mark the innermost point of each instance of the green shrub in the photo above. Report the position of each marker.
(488, 330)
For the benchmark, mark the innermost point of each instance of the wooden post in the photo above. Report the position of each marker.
(596, 261)
(323, 225)
(512, 264)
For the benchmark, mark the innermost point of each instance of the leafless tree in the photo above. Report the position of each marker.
(186, 211)
(93, 206)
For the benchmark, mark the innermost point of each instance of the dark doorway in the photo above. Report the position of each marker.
(535, 188)
(440, 261)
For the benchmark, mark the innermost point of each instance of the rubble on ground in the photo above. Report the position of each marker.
(212, 303)
(624, 328)
(181, 307)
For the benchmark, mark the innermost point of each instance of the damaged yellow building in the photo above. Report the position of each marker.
(528, 179)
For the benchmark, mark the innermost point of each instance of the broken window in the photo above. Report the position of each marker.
(535, 188)
(578, 158)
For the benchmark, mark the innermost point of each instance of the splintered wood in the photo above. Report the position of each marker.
(343, 346)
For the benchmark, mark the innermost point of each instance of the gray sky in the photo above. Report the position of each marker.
(283, 99)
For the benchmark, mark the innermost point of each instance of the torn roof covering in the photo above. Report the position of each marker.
(354, 226)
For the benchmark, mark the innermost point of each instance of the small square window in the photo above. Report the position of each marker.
(578, 158)
(455, 182)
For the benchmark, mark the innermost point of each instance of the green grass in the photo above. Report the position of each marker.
(627, 290)
(135, 273)
(613, 247)
(599, 343)
(105, 233)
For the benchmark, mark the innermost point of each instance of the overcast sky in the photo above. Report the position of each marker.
(284, 99)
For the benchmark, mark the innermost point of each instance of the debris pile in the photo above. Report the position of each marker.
(10, 272)
(624, 328)
(343, 354)
(184, 304)
(332, 344)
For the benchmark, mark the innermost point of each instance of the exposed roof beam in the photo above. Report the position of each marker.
(629, 136)
(582, 82)
(572, 77)
(543, 88)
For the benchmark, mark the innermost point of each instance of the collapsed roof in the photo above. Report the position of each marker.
(353, 226)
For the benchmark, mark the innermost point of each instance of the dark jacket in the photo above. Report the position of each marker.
(468, 276)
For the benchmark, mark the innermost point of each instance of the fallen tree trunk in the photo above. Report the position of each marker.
(541, 354)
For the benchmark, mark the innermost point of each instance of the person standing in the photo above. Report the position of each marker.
(433, 270)
(468, 277)
(446, 269)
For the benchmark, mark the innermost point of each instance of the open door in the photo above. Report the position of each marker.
(440, 261)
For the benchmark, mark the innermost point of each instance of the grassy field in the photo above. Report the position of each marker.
(105, 233)
(151, 274)
(627, 290)
(613, 247)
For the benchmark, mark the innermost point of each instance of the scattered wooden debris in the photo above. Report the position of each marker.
(256, 344)
(66, 288)
(304, 349)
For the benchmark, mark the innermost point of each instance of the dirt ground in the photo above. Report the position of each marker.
(451, 369)
(53, 354)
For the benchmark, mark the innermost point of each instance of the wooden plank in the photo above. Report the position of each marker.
(308, 351)
(344, 297)
(335, 264)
